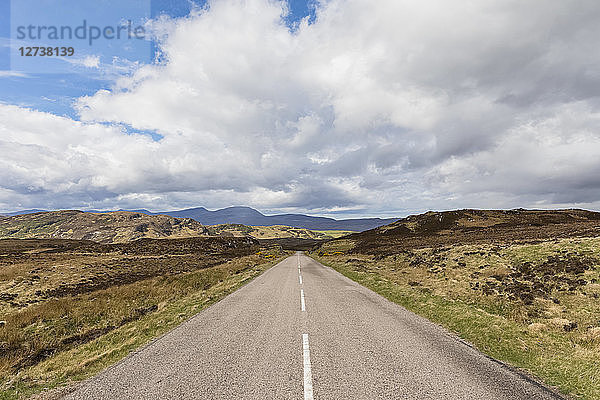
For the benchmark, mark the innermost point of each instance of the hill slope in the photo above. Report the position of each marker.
(273, 232)
(477, 226)
(115, 227)
(522, 286)
(126, 226)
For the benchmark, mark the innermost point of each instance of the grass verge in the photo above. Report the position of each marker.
(174, 299)
(537, 336)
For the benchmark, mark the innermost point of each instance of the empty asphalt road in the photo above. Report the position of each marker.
(303, 331)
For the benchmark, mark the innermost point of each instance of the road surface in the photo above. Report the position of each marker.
(304, 331)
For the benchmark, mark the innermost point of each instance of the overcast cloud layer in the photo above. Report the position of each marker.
(383, 107)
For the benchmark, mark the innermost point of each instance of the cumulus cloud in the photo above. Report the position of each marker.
(90, 61)
(376, 107)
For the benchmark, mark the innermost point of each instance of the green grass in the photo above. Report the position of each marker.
(502, 328)
(340, 245)
(176, 298)
(275, 232)
(335, 233)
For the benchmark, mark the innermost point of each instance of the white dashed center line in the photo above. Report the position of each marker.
(302, 299)
(308, 389)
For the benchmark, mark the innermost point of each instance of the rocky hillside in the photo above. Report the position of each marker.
(523, 286)
(477, 226)
(114, 227)
(126, 226)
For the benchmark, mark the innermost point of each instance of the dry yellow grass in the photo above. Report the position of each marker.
(536, 306)
(46, 341)
(274, 232)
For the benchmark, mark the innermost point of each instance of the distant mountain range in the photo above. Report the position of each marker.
(250, 216)
(22, 212)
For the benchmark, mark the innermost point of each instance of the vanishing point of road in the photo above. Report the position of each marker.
(303, 331)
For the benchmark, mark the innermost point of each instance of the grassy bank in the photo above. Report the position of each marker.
(68, 338)
(534, 306)
(274, 232)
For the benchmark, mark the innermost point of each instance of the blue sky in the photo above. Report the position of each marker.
(56, 92)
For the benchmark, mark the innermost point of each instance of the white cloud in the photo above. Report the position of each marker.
(388, 105)
(90, 61)
(13, 74)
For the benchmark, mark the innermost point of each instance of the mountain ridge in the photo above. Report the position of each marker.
(249, 216)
